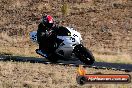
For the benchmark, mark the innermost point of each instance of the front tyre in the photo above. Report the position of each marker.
(84, 54)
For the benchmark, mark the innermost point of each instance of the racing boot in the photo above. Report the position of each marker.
(41, 52)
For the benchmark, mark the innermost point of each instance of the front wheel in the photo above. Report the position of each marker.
(84, 54)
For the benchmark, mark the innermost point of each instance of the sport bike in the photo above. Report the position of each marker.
(69, 47)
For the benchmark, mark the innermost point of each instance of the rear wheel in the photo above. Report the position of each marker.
(84, 54)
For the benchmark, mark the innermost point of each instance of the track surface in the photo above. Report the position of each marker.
(97, 65)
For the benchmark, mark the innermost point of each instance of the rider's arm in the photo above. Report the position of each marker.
(55, 29)
(40, 32)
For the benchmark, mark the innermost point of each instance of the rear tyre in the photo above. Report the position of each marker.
(84, 54)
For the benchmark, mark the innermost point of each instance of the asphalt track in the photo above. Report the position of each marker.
(96, 65)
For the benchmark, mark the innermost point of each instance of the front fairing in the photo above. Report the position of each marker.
(69, 42)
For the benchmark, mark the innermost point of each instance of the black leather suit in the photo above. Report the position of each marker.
(46, 38)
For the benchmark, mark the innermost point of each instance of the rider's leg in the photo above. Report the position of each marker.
(42, 50)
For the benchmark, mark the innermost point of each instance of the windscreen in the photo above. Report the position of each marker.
(63, 31)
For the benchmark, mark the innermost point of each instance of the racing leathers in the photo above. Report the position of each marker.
(46, 38)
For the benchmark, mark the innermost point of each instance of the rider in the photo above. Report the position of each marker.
(45, 35)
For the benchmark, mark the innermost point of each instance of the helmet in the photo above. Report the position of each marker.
(48, 21)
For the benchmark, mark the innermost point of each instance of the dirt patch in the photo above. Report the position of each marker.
(36, 75)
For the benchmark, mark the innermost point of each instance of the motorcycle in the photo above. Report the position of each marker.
(69, 47)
